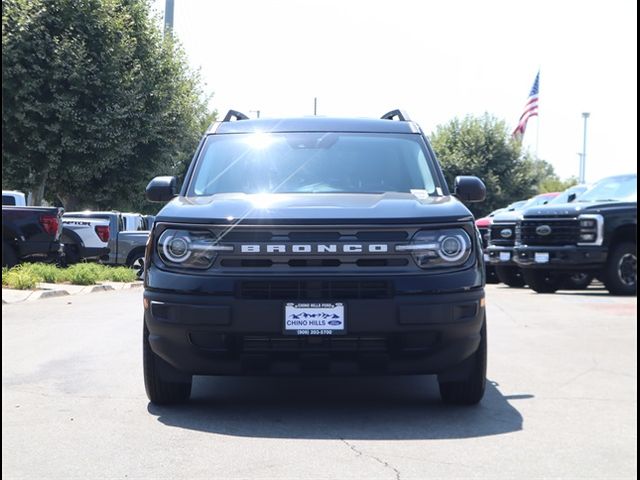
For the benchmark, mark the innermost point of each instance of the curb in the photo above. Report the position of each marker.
(11, 296)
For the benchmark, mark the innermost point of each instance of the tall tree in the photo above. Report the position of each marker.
(95, 101)
(483, 146)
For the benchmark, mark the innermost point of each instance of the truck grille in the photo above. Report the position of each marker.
(503, 234)
(548, 232)
(313, 289)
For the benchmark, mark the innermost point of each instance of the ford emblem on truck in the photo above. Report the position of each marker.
(506, 232)
(543, 230)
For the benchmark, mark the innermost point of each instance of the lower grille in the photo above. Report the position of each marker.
(314, 344)
(314, 289)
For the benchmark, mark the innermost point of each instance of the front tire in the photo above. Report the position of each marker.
(620, 272)
(470, 390)
(164, 384)
(136, 262)
(578, 281)
(543, 281)
(511, 276)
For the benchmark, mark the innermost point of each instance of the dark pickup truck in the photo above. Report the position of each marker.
(595, 234)
(30, 233)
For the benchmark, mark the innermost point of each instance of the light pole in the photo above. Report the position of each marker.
(583, 157)
(315, 106)
(168, 17)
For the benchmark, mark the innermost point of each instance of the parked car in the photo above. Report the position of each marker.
(126, 247)
(13, 198)
(502, 240)
(595, 234)
(484, 225)
(30, 234)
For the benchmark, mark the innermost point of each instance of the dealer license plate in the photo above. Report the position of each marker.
(314, 319)
(541, 257)
(505, 256)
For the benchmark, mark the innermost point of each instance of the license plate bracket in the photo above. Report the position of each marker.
(314, 318)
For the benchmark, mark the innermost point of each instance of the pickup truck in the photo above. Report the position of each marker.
(125, 247)
(596, 234)
(30, 234)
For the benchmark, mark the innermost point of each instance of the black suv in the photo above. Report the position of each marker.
(595, 234)
(314, 246)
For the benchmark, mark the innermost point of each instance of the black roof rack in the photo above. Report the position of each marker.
(401, 115)
(234, 114)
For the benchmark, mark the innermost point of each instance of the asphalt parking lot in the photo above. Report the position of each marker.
(562, 403)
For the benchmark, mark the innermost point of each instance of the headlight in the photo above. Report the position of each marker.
(439, 248)
(591, 229)
(189, 248)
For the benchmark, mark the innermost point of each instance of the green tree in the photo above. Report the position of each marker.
(95, 101)
(483, 146)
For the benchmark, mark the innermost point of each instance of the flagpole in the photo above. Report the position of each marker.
(537, 133)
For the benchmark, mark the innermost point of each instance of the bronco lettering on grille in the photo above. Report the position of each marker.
(319, 248)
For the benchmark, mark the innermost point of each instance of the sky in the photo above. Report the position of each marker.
(435, 59)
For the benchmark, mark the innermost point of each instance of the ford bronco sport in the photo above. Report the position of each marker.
(323, 246)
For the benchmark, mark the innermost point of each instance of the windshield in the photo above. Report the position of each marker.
(564, 196)
(622, 188)
(535, 201)
(313, 163)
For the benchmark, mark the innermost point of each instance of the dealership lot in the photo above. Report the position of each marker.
(562, 402)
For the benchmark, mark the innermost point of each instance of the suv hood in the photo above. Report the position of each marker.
(314, 208)
(576, 208)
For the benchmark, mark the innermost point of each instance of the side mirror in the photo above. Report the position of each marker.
(571, 197)
(469, 189)
(161, 189)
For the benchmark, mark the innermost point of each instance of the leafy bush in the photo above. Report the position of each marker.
(27, 275)
(83, 273)
(19, 278)
(119, 274)
(45, 272)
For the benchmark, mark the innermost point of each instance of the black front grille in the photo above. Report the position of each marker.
(498, 235)
(259, 343)
(560, 232)
(314, 289)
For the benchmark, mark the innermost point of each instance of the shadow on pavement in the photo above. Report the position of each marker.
(373, 408)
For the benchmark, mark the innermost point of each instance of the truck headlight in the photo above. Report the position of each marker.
(591, 229)
(439, 248)
(189, 248)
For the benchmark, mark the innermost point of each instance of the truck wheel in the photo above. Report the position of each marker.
(470, 390)
(136, 262)
(543, 281)
(511, 276)
(9, 257)
(71, 253)
(164, 384)
(620, 272)
(578, 281)
(491, 275)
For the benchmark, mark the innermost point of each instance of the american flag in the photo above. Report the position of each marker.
(530, 109)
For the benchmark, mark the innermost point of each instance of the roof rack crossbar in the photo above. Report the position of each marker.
(401, 115)
(231, 114)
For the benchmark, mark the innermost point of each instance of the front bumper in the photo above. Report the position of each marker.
(222, 334)
(568, 257)
(499, 256)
